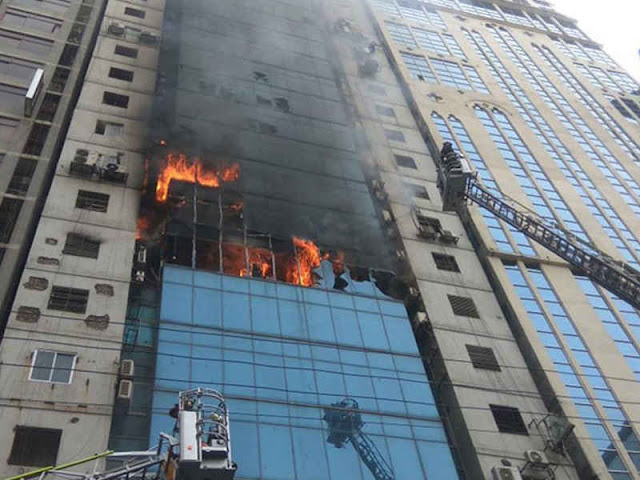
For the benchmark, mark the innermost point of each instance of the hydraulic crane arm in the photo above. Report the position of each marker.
(345, 424)
(458, 184)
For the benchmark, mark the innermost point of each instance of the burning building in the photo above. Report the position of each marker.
(246, 199)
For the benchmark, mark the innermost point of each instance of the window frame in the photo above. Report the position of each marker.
(520, 429)
(15, 453)
(82, 193)
(52, 368)
(58, 290)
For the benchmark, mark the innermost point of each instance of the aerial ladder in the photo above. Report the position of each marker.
(199, 448)
(458, 184)
(345, 426)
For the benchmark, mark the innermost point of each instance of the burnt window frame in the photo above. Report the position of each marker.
(79, 245)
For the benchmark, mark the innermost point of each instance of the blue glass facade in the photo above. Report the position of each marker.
(281, 354)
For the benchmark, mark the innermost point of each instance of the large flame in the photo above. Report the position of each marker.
(307, 259)
(179, 167)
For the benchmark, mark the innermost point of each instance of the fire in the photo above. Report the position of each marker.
(179, 167)
(142, 225)
(259, 264)
(307, 258)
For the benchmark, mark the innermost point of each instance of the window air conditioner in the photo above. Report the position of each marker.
(500, 472)
(127, 368)
(125, 390)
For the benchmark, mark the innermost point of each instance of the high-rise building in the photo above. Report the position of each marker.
(244, 196)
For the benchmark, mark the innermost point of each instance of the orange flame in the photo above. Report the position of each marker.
(142, 225)
(178, 167)
(259, 264)
(308, 258)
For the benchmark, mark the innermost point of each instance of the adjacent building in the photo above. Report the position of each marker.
(243, 196)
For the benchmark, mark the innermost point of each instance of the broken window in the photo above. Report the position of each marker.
(81, 246)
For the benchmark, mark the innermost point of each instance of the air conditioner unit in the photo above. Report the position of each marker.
(401, 254)
(125, 390)
(447, 237)
(387, 216)
(116, 28)
(139, 276)
(536, 457)
(500, 472)
(141, 257)
(148, 38)
(127, 368)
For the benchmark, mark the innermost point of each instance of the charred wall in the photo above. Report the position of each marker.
(254, 82)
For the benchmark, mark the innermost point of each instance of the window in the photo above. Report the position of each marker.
(134, 12)
(394, 135)
(377, 89)
(35, 447)
(98, 202)
(417, 190)
(385, 111)
(33, 45)
(68, 299)
(463, 306)
(450, 74)
(32, 21)
(418, 67)
(400, 34)
(120, 74)
(483, 358)
(445, 262)
(115, 100)
(54, 367)
(508, 420)
(109, 129)
(81, 246)
(126, 51)
(405, 161)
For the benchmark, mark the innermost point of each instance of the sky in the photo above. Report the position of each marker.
(615, 26)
